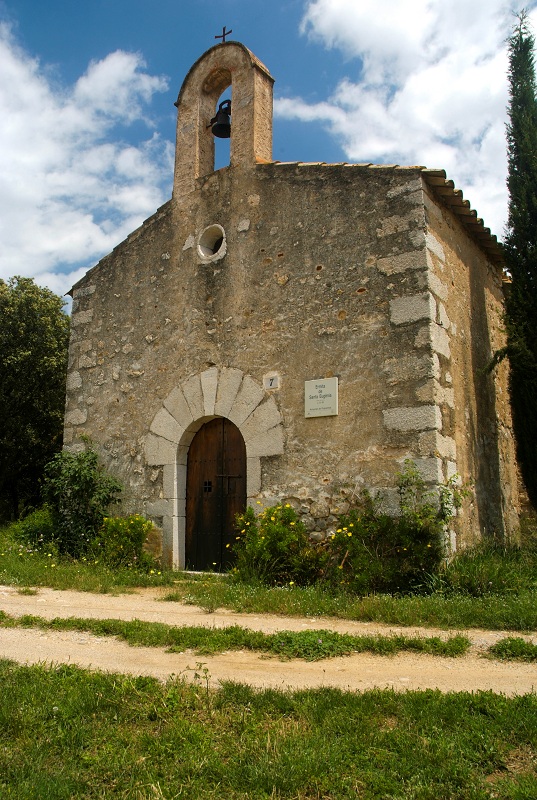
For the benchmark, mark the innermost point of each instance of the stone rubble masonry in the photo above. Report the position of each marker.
(355, 271)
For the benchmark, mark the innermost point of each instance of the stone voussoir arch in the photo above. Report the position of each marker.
(216, 392)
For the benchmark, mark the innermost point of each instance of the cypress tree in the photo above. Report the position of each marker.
(521, 249)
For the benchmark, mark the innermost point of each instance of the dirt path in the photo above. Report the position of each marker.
(358, 672)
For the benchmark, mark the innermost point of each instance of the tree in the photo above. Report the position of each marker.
(520, 247)
(34, 336)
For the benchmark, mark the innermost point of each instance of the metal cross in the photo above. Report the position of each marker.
(224, 34)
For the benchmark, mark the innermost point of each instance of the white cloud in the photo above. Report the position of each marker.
(426, 85)
(70, 189)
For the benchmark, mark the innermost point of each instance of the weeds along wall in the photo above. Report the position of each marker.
(260, 276)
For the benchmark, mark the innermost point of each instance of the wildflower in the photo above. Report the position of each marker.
(227, 545)
(291, 583)
(288, 505)
(273, 519)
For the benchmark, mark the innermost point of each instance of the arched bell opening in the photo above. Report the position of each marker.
(224, 67)
(215, 494)
(222, 129)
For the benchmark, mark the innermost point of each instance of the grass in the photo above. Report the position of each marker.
(450, 612)
(26, 567)
(66, 733)
(515, 649)
(308, 645)
(491, 587)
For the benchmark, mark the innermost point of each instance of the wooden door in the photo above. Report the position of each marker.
(215, 493)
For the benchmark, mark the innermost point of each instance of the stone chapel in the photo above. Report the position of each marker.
(290, 332)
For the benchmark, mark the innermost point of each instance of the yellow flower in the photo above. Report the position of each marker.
(227, 545)
(338, 530)
(291, 523)
(273, 519)
(288, 505)
(291, 583)
(349, 533)
(258, 502)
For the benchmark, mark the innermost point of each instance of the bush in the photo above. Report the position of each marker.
(36, 530)
(120, 542)
(370, 551)
(78, 493)
(274, 548)
(373, 552)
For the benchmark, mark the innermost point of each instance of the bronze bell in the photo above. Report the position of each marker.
(221, 123)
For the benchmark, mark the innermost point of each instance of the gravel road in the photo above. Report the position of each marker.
(358, 672)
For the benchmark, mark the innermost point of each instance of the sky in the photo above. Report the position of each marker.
(87, 121)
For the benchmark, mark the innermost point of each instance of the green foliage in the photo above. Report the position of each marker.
(369, 552)
(78, 492)
(274, 548)
(70, 733)
(34, 337)
(489, 569)
(514, 648)
(520, 249)
(120, 542)
(35, 530)
(375, 552)
(312, 645)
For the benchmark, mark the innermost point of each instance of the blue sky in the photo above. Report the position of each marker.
(88, 121)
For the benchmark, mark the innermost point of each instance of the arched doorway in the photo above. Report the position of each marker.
(215, 493)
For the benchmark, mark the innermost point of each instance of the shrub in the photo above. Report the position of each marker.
(373, 552)
(370, 551)
(120, 542)
(78, 492)
(274, 548)
(35, 530)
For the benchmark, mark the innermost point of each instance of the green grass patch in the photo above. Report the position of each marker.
(451, 612)
(308, 645)
(27, 567)
(65, 733)
(515, 649)
(471, 598)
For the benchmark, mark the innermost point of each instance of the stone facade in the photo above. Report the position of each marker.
(379, 275)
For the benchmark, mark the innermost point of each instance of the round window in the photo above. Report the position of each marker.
(212, 243)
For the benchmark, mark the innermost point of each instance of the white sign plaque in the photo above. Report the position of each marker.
(321, 398)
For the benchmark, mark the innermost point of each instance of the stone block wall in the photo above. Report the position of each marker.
(324, 270)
